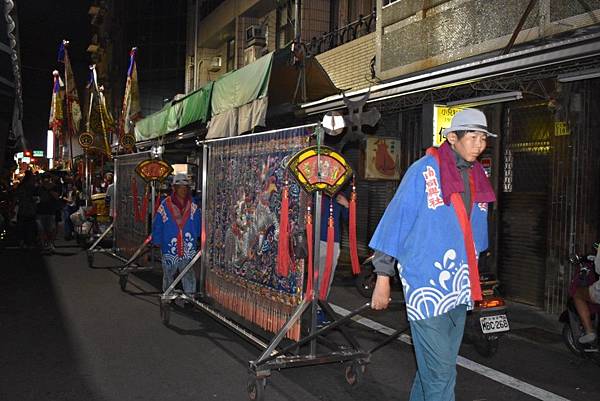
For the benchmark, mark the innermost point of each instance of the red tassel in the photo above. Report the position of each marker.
(134, 192)
(309, 244)
(324, 289)
(352, 233)
(283, 246)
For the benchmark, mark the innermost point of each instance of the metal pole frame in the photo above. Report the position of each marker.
(271, 358)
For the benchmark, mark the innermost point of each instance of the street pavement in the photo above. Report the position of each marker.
(68, 332)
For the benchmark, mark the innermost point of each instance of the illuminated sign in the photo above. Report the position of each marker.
(19, 155)
(327, 171)
(442, 117)
(38, 153)
(50, 144)
(561, 128)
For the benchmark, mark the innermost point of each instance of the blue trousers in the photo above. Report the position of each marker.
(172, 268)
(436, 341)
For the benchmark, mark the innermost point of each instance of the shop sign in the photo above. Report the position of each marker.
(381, 158)
(442, 117)
(561, 128)
(325, 171)
(38, 153)
(19, 155)
(154, 170)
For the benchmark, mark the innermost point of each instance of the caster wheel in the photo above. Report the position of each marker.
(354, 373)
(165, 312)
(123, 281)
(256, 388)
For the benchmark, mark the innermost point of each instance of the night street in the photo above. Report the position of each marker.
(70, 333)
(300, 200)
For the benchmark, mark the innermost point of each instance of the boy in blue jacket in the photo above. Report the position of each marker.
(176, 230)
(434, 228)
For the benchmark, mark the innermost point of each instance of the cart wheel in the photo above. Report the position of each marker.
(165, 312)
(123, 281)
(354, 373)
(256, 388)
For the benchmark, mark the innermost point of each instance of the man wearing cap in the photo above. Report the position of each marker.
(176, 230)
(434, 228)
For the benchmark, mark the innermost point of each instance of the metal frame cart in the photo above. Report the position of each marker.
(280, 353)
(124, 227)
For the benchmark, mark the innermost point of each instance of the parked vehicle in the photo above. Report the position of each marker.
(584, 276)
(485, 324)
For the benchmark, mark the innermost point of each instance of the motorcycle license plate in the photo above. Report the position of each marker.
(493, 324)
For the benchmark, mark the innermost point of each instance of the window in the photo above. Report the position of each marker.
(388, 2)
(284, 29)
(230, 54)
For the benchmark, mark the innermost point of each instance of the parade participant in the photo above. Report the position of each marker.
(339, 206)
(340, 210)
(434, 228)
(176, 230)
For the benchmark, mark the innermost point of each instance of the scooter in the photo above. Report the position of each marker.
(485, 324)
(572, 328)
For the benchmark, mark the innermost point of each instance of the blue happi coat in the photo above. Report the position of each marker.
(424, 236)
(166, 232)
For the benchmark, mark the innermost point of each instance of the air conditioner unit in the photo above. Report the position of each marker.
(255, 36)
(215, 64)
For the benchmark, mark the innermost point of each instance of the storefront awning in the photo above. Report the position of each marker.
(237, 102)
(239, 99)
(192, 108)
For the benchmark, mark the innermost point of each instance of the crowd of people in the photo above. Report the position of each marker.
(32, 207)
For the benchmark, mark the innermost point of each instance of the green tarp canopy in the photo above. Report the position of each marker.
(237, 101)
(242, 86)
(192, 108)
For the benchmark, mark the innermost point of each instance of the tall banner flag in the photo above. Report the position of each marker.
(131, 111)
(55, 123)
(73, 114)
(99, 122)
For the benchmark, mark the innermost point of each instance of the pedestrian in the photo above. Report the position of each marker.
(176, 230)
(47, 208)
(581, 298)
(434, 228)
(70, 199)
(339, 210)
(26, 210)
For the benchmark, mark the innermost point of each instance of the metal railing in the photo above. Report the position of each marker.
(364, 25)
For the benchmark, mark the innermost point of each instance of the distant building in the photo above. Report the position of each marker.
(11, 100)
(158, 30)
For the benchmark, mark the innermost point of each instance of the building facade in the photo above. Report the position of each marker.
(532, 68)
(227, 35)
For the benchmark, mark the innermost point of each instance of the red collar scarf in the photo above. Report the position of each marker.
(181, 216)
(452, 186)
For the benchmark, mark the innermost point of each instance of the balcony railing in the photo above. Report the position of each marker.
(339, 36)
